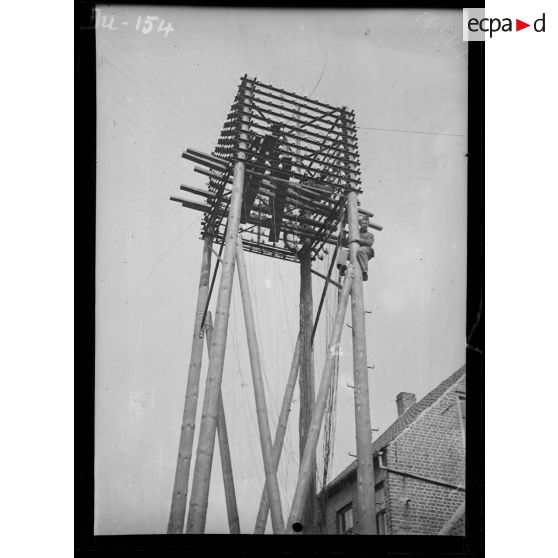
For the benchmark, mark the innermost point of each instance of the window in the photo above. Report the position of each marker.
(345, 520)
(380, 497)
(380, 509)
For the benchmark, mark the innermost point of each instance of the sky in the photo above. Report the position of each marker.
(404, 73)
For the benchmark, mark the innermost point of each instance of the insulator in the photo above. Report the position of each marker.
(280, 165)
(254, 159)
(267, 153)
(267, 163)
(267, 171)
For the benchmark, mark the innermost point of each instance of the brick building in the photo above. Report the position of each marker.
(419, 465)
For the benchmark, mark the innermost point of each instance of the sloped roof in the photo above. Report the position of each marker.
(402, 422)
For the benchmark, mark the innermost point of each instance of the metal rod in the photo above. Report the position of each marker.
(299, 159)
(365, 212)
(206, 442)
(260, 95)
(324, 291)
(346, 149)
(220, 188)
(259, 394)
(254, 246)
(329, 221)
(285, 122)
(224, 451)
(302, 176)
(260, 85)
(192, 204)
(292, 189)
(292, 194)
(217, 256)
(211, 163)
(327, 280)
(220, 164)
(365, 469)
(341, 228)
(299, 231)
(213, 278)
(202, 155)
(294, 524)
(323, 148)
(310, 123)
(418, 477)
(182, 473)
(263, 511)
(260, 102)
(305, 150)
(198, 191)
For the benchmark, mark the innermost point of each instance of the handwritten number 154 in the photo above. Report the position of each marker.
(148, 25)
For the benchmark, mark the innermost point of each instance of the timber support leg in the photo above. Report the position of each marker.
(365, 469)
(208, 427)
(294, 523)
(224, 450)
(261, 408)
(306, 377)
(182, 474)
(261, 519)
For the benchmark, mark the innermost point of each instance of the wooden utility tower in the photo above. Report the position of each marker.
(283, 182)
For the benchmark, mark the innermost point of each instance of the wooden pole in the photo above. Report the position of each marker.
(226, 464)
(206, 443)
(457, 515)
(306, 378)
(259, 394)
(307, 467)
(261, 519)
(365, 470)
(181, 477)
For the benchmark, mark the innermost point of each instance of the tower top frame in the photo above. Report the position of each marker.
(301, 160)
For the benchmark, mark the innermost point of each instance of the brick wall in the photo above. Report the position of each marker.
(431, 446)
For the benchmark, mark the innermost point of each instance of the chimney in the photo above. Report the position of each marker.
(404, 401)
